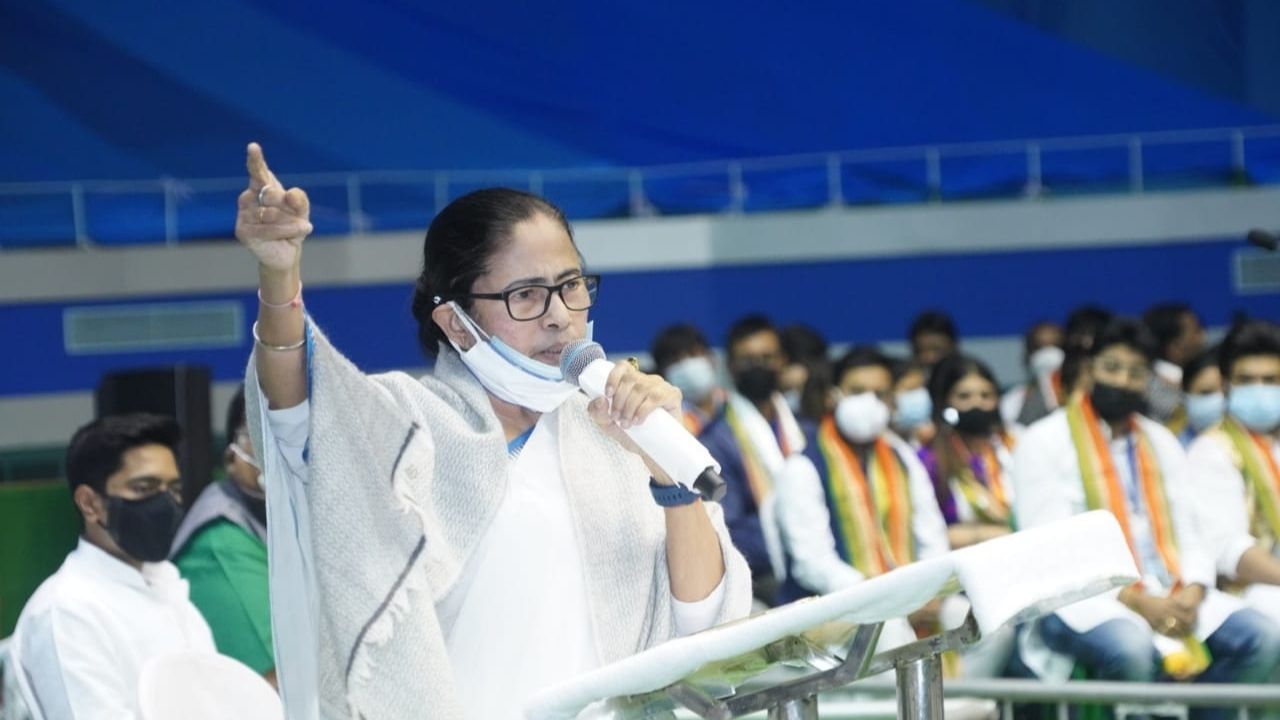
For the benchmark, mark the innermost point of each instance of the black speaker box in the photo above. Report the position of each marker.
(181, 392)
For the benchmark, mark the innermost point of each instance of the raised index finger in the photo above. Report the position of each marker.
(260, 175)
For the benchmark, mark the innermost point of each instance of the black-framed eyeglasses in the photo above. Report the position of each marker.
(530, 302)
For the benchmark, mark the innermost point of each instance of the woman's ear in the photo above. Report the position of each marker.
(453, 326)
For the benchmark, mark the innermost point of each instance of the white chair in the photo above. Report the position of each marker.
(204, 686)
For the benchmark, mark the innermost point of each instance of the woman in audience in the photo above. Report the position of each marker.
(969, 460)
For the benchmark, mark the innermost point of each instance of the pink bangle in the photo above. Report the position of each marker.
(296, 302)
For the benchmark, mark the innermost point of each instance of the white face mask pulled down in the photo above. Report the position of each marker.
(510, 374)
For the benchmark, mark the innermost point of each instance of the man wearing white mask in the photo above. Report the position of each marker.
(682, 355)
(1236, 467)
(858, 502)
(1042, 393)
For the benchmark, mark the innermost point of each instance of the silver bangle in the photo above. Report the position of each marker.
(277, 348)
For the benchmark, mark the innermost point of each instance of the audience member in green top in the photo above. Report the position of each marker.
(221, 550)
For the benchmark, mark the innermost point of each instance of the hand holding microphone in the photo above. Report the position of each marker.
(659, 435)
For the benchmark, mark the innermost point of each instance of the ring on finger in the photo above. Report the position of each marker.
(634, 362)
(262, 196)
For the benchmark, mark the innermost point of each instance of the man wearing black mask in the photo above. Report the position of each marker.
(115, 603)
(1100, 453)
(221, 550)
(751, 438)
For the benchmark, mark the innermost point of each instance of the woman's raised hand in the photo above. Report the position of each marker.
(271, 221)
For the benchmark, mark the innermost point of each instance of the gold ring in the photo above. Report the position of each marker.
(634, 362)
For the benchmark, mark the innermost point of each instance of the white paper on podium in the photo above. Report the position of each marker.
(1008, 580)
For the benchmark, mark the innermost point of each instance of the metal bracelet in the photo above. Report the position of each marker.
(277, 348)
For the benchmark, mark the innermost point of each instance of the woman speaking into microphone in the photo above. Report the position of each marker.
(446, 546)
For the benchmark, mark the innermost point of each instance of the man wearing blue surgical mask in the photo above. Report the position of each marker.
(682, 355)
(913, 408)
(1234, 466)
(1202, 395)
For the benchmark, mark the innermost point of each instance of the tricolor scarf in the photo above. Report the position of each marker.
(1182, 658)
(1103, 488)
(1262, 480)
(872, 514)
(980, 481)
(763, 449)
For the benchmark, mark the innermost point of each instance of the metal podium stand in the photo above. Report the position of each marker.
(781, 660)
(917, 667)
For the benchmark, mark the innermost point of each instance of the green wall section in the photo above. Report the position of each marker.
(38, 527)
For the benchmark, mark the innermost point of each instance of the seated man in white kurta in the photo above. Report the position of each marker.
(1099, 452)
(1235, 467)
(857, 502)
(116, 603)
(443, 547)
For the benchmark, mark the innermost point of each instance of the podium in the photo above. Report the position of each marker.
(780, 660)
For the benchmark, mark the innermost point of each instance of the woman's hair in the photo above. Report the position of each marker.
(945, 376)
(459, 244)
(949, 372)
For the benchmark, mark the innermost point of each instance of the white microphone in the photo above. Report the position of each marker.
(660, 436)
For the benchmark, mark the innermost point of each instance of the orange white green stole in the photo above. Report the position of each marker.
(872, 509)
(988, 499)
(1262, 480)
(1103, 489)
(758, 475)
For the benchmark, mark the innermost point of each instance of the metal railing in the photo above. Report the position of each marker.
(1126, 698)
(1026, 168)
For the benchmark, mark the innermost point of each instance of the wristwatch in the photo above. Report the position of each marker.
(672, 495)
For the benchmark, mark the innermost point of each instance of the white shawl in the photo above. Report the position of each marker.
(404, 478)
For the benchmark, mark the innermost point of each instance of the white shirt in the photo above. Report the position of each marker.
(518, 621)
(1011, 405)
(85, 634)
(1046, 475)
(806, 521)
(1221, 492)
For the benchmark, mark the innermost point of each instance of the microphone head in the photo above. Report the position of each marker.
(576, 356)
(1263, 239)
